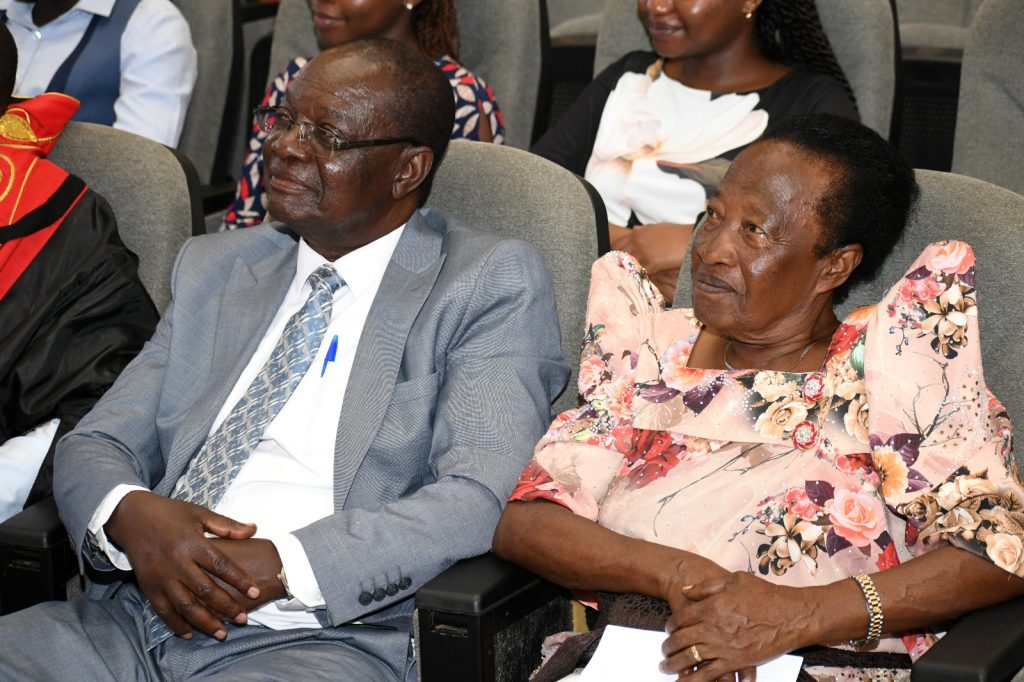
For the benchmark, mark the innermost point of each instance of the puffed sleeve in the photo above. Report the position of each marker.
(940, 441)
(585, 448)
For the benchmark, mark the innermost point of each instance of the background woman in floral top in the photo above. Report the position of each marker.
(745, 458)
(430, 24)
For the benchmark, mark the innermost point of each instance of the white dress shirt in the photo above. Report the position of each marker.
(20, 459)
(158, 61)
(288, 481)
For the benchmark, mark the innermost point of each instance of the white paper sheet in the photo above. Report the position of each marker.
(634, 655)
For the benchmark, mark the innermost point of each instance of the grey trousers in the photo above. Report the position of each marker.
(96, 640)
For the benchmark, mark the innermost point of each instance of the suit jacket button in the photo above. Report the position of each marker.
(392, 589)
(379, 594)
(405, 583)
(365, 598)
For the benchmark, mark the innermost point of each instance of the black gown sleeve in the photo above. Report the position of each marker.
(81, 315)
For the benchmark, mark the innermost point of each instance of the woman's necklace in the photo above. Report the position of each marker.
(807, 349)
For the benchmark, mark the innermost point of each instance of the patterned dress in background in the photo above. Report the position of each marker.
(893, 448)
(473, 99)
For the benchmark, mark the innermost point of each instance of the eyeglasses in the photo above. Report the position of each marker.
(276, 121)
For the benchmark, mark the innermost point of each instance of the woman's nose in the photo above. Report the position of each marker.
(711, 244)
(656, 6)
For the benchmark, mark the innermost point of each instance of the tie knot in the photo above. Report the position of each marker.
(325, 277)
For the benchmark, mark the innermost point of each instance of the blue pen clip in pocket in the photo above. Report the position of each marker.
(332, 352)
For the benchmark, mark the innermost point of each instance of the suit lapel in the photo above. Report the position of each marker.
(407, 282)
(250, 300)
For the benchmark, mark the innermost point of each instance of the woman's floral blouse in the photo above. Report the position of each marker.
(473, 100)
(894, 448)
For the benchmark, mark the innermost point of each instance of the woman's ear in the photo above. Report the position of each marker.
(839, 265)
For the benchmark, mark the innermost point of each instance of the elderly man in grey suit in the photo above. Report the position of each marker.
(332, 411)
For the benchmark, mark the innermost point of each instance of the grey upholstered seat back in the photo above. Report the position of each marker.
(990, 121)
(944, 12)
(566, 10)
(991, 220)
(541, 203)
(148, 187)
(500, 41)
(862, 34)
(216, 32)
(935, 23)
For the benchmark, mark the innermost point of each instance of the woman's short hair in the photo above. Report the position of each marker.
(871, 197)
(436, 26)
(790, 32)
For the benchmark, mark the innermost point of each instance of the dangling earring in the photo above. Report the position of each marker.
(409, 6)
(749, 15)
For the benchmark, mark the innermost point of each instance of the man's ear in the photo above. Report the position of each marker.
(839, 265)
(413, 166)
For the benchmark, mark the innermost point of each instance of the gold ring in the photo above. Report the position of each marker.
(696, 654)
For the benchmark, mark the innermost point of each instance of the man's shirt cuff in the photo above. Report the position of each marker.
(301, 582)
(99, 519)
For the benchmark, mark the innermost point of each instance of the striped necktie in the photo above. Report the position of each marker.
(213, 469)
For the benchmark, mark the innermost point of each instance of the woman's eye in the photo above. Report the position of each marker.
(754, 229)
(711, 213)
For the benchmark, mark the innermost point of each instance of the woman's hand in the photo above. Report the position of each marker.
(659, 247)
(732, 624)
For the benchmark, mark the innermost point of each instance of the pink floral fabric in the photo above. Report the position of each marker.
(894, 447)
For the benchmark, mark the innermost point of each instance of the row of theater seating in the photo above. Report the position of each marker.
(507, 43)
(485, 615)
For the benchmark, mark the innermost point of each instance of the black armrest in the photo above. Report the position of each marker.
(36, 558)
(484, 619)
(984, 646)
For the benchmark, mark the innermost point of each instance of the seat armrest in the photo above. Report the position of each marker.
(986, 645)
(484, 619)
(36, 558)
(481, 584)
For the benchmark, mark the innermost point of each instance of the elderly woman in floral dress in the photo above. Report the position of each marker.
(745, 459)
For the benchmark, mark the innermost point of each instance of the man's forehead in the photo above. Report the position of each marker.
(346, 100)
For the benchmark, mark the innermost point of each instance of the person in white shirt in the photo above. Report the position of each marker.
(130, 62)
(332, 411)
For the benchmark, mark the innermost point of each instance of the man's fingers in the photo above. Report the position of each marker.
(170, 617)
(195, 613)
(224, 527)
(219, 565)
(215, 598)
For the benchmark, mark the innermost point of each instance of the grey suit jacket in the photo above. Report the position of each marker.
(450, 390)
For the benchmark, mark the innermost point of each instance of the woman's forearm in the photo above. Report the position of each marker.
(577, 553)
(923, 592)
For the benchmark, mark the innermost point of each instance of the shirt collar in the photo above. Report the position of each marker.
(23, 10)
(361, 269)
(101, 7)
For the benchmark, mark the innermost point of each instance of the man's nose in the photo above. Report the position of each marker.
(293, 142)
